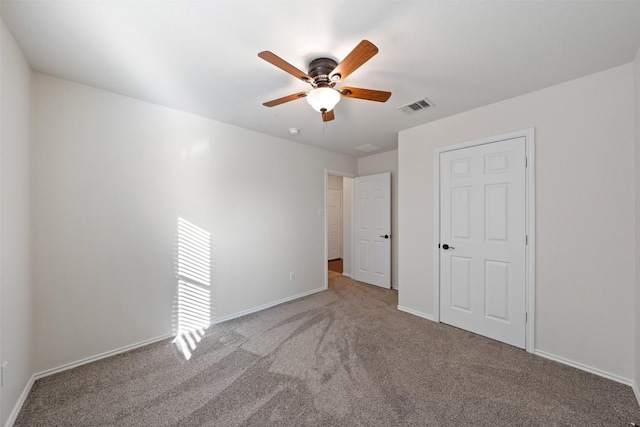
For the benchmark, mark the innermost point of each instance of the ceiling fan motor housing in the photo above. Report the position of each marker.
(319, 70)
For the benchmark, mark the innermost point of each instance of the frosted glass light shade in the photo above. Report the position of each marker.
(323, 98)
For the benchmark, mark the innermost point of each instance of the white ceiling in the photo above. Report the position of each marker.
(201, 56)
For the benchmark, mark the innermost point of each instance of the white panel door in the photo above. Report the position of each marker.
(334, 217)
(373, 229)
(482, 240)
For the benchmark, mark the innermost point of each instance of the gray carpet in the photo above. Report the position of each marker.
(344, 357)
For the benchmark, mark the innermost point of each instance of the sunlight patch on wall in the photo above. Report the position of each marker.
(194, 286)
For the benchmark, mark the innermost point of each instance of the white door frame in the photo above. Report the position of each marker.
(328, 172)
(530, 209)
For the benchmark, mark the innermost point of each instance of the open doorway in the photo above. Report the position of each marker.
(335, 219)
(339, 220)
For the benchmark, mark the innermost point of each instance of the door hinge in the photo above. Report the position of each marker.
(526, 162)
(526, 239)
(526, 318)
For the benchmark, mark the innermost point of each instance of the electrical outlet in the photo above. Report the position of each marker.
(3, 374)
(292, 275)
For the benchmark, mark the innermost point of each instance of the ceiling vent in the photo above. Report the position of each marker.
(414, 107)
(367, 148)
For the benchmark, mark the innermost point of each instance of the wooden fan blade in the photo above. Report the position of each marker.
(274, 59)
(285, 99)
(358, 56)
(368, 94)
(328, 116)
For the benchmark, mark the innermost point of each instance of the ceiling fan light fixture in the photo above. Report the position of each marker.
(324, 73)
(323, 98)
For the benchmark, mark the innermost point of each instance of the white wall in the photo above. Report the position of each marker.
(636, 91)
(111, 177)
(15, 256)
(584, 217)
(386, 162)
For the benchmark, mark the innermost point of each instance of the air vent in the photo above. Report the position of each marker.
(414, 107)
(367, 148)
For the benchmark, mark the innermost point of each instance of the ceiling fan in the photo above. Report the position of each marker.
(323, 75)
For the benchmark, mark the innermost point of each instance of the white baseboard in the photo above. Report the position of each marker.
(67, 366)
(124, 349)
(23, 397)
(584, 367)
(346, 274)
(416, 313)
(100, 356)
(555, 358)
(264, 306)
